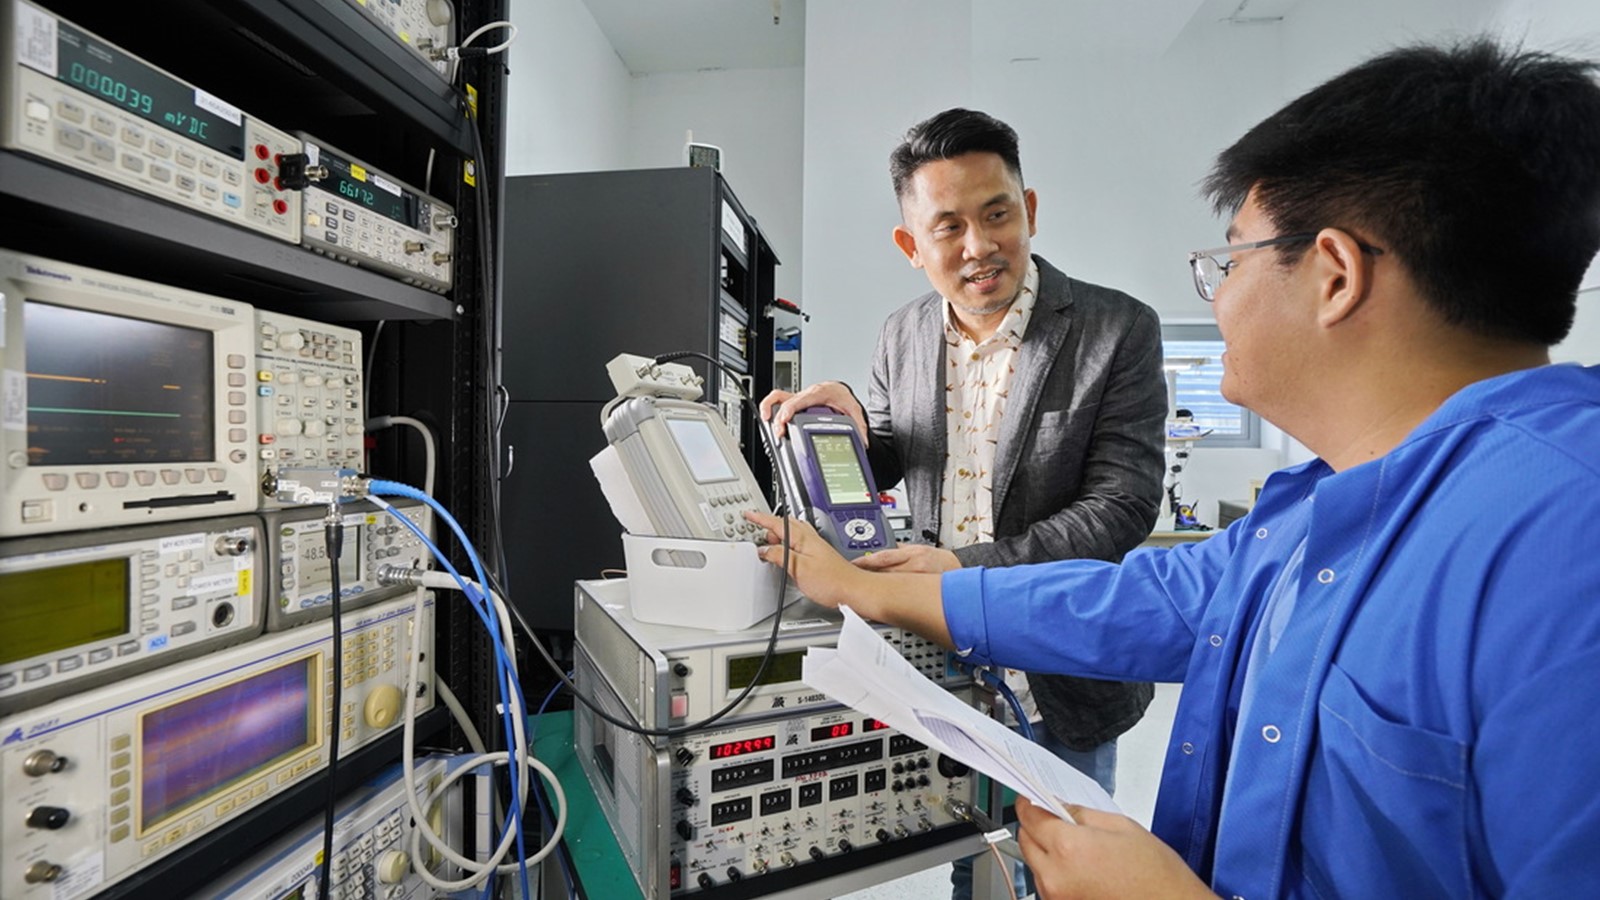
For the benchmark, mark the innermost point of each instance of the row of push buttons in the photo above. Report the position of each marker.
(309, 345)
(121, 760)
(65, 664)
(375, 238)
(56, 481)
(164, 161)
(147, 154)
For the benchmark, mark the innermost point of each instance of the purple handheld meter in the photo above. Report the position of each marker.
(824, 466)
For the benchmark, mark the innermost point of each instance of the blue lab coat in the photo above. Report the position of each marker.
(1427, 724)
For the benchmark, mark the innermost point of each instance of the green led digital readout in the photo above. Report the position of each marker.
(356, 184)
(100, 70)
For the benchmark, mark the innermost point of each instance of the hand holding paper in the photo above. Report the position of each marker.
(866, 673)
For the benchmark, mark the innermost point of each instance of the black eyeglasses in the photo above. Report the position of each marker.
(1209, 272)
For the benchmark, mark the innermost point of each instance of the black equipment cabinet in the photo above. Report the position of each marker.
(647, 262)
(320, 66)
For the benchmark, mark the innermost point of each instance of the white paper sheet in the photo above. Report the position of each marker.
(619, 491)
(867, 674)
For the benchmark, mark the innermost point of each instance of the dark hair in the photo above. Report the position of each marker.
(947, 135)
(1478, 166)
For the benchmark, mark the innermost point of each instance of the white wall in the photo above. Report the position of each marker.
(755, 116)
(567, 97)
(873, 68)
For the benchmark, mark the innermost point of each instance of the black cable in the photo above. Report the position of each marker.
(498, 566)
(333, 539)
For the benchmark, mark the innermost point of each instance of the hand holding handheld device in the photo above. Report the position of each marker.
(823, 463)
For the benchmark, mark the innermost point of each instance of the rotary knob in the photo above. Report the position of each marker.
(43, 762)
(393, 866)
(382, 706)
(48, 817)
(41, 872)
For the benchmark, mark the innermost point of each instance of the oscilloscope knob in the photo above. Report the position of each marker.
(48, 817)
(439, 12)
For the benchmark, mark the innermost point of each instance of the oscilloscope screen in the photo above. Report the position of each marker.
(107, 389)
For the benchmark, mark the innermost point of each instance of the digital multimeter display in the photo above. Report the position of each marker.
(840, 468)
(355, 184)
(103, 71)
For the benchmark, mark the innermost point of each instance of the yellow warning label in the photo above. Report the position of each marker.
(244, 583)
(469, 173)
(358, 172)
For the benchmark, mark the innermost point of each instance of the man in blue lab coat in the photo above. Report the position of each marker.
(1390, 664)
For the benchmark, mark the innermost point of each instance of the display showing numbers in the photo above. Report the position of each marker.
(356, 192)
(836, 730)
(110, 88)
(739, 748)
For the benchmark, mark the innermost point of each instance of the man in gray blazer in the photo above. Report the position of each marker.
(1023, 409)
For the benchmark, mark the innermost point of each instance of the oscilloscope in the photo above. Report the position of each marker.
(121, 401)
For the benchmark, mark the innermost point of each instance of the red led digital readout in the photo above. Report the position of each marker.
(836, 730)
(873, 725)
(740, 748)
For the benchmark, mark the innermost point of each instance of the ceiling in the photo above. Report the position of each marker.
(655, 36)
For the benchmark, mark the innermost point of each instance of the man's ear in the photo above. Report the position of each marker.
(1031, 200)
(907, 242)
(1344, 278)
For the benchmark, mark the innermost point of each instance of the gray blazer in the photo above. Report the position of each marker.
(1079, 465)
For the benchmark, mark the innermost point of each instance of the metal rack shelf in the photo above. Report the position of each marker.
(275, 58)
(58, 213)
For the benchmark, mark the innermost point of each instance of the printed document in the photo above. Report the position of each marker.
(865, 672)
